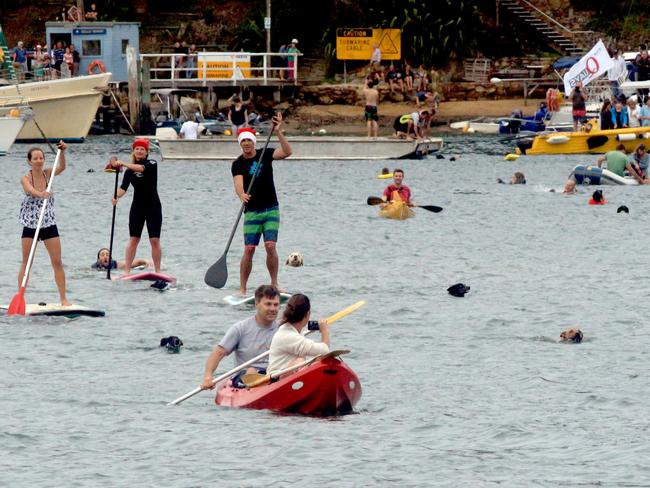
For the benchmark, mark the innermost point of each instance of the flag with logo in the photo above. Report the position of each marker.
(591, 66)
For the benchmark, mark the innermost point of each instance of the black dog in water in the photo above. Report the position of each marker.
(172, 343)
(458, 290)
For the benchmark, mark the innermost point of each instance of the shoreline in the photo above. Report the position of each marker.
(348, 119)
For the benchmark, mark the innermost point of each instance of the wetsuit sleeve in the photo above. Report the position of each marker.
(126, 180)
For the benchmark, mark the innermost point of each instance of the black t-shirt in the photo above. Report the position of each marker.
(263, 194)
(145, 184)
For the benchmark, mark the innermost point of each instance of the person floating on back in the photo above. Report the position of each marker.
(34, 185)
(142, 173)
(262, 211)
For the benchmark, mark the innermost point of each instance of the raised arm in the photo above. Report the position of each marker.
(284, 151)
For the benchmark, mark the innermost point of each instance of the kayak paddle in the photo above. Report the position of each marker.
(17, 305)
(430, 208)
(252, 380)
(217, 274)
(333, 318)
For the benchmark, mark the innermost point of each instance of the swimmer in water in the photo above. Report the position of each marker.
(572, 335)
(102, 262)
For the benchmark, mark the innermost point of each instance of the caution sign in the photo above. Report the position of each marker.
(224, 66)
(357, 43)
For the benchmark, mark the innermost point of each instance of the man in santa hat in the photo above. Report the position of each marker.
(262, 211)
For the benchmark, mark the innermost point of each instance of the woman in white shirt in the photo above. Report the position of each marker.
(289, 346)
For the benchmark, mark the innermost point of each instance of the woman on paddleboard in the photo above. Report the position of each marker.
(289, 346)
(34, 185)
(142, 173)
(103, 256)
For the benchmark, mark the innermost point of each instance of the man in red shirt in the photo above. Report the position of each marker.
(397, 189)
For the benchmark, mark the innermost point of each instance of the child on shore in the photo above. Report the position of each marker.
(34, 185)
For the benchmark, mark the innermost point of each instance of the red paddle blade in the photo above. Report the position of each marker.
(17, 305)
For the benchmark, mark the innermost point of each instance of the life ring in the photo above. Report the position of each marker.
(96, 64)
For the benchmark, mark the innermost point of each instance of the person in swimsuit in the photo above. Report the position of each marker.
(238, 115)
(34, 185)
(372, 99)
(142, 173)
(103, 256)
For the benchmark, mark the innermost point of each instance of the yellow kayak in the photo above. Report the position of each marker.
(397, 210)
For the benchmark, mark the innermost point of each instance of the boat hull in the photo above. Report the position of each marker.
(304, 148)
(593, 175)
(594, 142)
(326, 387)
(10, 127)
(64, 109)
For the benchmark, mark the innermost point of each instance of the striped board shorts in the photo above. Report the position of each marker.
(265, 222)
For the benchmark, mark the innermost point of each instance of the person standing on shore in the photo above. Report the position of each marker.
(372, 101)
(375, 59)
(262, 211)
(292, 60)
(142, 173)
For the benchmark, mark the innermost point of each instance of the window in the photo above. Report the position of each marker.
(91, 47)
(125, 43)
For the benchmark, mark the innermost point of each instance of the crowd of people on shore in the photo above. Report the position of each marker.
(39, 63)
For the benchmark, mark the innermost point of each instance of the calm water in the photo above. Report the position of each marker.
(456, 392)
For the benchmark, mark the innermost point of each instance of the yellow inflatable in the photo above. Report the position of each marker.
(396, 209)
(385, 176)
(511, 157)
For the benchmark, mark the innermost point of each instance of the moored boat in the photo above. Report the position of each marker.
(63, 108)
(304, 147)
(11, 124)
(594, 141)
(325, 387)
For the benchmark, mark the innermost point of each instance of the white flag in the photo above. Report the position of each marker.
(591, 66)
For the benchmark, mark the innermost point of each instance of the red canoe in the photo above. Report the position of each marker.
(326, 387)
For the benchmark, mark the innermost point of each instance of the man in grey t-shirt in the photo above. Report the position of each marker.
(248, 338)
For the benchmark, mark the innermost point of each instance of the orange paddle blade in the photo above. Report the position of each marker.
(17, 305)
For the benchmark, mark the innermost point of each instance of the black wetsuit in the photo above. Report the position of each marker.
(146, 205)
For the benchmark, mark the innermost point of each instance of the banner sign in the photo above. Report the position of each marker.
(357, 43)
(592, 65)
(224, 66)
(88, 32)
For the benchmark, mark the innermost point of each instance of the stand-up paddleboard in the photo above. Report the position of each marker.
(146, 276)
(57, 310)
(238, 300)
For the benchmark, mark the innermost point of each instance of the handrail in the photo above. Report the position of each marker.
(553, 20)
(237, 72)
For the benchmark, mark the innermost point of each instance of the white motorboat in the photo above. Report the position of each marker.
(11, 123)
(63, 108)
(304, 147)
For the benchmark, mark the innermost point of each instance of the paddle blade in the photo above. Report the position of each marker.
(17, 305)
(217, 274)
(345, 311)
(374, 201)
(431, 208)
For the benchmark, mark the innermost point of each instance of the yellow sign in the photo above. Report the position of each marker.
(224, 66)
(357, 43)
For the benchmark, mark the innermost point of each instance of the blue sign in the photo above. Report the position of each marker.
(88, 32)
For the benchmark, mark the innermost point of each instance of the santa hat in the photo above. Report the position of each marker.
(144, 143)
(246, 133)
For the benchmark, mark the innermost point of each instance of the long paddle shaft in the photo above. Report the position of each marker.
(110, 246)
(430, 208)
(330, 319)
(17, 306)
(217, 274)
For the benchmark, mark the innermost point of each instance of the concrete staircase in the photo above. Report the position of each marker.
(559, 37)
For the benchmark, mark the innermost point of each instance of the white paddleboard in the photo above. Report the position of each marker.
(238, 300)
(57, 310)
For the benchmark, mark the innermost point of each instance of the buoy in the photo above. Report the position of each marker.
(511, 157)
(625, 137)
(557, 139)
(227, 132)
(14, 112)
(322, 131)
